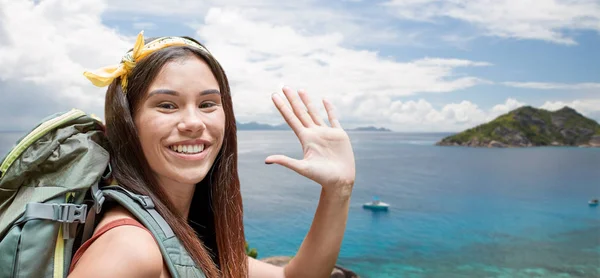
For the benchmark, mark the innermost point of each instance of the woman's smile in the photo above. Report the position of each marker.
(189, 151)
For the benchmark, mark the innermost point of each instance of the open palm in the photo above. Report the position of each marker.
(328, 156)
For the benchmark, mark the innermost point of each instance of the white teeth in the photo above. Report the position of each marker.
(189, 149)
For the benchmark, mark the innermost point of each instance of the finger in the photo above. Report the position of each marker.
(332, 114)
(287, 113)
(298, 107)
(294, 164)
(312, 108)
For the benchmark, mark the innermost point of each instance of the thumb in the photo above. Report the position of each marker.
(285, 161)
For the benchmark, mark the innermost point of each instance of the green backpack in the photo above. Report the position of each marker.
(52, 185)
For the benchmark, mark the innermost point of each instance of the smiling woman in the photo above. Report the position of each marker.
(172, 135)
(181, 126)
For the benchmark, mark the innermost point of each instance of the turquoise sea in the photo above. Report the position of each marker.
(455, 212)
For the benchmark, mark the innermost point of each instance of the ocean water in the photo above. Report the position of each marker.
(455, 212)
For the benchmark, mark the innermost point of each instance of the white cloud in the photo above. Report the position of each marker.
(46, 46)
(450, 62)
(421, 115)
(177, 7)
(463, 113)
(587, 107)
(553, 86)
(509, 105)
(367, 25)
(548, 20)
(258, 57)
(50, 44)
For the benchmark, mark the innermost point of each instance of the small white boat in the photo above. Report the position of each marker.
(593, 203)
(376, 205)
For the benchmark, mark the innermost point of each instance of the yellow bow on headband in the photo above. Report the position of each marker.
(104, 76)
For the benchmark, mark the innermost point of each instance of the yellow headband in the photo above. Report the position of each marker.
(104, 76)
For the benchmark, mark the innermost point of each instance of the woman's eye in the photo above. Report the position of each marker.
(166, 105)
(207, 104)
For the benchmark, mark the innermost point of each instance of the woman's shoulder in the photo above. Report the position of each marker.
(114, 214)
(121, 247)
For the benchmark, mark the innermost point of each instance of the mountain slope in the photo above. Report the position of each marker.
(527, 126)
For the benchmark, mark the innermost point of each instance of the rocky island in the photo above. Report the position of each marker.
(529, 127)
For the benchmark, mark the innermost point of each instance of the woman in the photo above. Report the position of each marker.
(171, 127)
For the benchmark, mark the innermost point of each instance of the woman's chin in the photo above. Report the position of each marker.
(181, 175)
(191, 179)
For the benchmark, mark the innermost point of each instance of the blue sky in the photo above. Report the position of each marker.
(409, 65)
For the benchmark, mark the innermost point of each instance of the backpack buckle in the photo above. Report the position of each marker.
(69, 213)
(146, 201)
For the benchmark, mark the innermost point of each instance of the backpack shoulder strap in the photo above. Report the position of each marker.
(177, 259)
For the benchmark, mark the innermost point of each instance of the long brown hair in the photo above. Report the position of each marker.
(132, 171)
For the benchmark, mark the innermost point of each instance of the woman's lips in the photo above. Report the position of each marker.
(189, 156)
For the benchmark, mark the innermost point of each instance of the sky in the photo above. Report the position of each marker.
(407, 65)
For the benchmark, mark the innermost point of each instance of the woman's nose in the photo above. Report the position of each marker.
(191, 121)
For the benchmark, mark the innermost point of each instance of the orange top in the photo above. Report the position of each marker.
(104, 229)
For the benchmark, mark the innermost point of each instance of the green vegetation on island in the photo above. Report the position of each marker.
(251, 252)
(527, 127)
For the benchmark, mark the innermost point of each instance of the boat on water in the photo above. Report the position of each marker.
(376, 204)
(593, 203)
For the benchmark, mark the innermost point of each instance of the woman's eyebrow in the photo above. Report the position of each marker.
(163, 92)
(175, 93)
(210, 91)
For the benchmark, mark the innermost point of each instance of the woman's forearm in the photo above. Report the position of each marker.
(319, 250)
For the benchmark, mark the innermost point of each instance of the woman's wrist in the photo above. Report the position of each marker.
(341, 191)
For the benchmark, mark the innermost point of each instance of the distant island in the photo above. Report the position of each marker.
(261, 126)
(370, 128)
(529, 127)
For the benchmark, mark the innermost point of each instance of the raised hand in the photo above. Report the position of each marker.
(328, 156)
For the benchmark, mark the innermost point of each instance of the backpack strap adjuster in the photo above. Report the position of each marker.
(63, 213)
(98, 197)
(69, 213)
(145, 201)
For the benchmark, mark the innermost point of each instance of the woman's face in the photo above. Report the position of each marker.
(181, 122)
